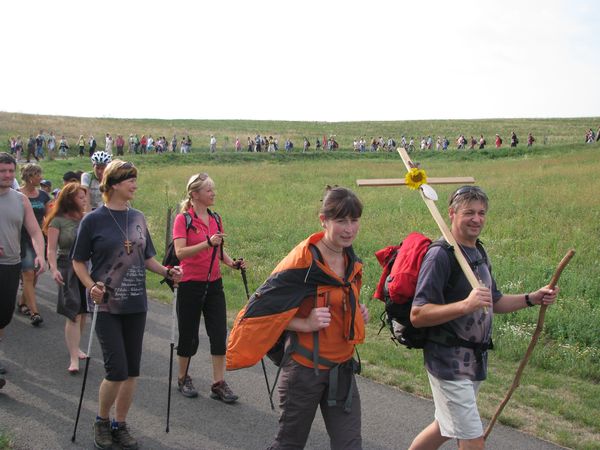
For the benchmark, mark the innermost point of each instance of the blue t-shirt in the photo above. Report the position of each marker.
(455, 363)
(100, 239)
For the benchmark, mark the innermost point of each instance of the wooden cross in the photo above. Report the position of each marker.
(128, 246)
(464, 265)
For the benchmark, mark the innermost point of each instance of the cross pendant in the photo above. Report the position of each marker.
(128, 246)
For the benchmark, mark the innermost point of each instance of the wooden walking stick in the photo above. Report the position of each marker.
(534, 339)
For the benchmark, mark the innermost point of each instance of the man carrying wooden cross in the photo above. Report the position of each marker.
(445, 298)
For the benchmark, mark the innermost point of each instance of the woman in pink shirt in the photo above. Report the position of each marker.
(198, 240)
(498, 141)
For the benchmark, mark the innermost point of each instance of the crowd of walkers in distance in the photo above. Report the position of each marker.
(41, 145)
(47, 144)
(442, 143)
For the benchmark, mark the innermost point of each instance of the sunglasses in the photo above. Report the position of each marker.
(200, 177)
(465, 190)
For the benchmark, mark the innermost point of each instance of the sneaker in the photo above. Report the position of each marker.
(36, 319)
(187, 388)
(221, 391)
(121, 436)
(102, 435)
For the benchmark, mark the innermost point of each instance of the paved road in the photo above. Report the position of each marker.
(39, 402)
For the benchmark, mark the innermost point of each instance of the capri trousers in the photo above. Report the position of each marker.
(191, 304)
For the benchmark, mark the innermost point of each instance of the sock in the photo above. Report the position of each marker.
(100, 419)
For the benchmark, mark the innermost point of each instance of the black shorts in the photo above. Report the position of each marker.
(9, 280)
(121, 337)
(190, 307)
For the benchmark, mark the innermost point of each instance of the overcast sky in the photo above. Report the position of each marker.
(324, 60)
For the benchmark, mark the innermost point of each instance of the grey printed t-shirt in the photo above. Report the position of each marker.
(100, 241)
(455, 363)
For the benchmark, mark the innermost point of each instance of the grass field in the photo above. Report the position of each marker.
(542, 202)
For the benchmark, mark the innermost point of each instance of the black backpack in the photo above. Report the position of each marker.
(397, 316)
(171, 259)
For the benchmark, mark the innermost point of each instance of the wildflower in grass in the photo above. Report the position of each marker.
(415, 178)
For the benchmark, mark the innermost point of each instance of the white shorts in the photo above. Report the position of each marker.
(456, 407)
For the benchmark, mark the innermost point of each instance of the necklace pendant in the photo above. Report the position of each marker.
(128, 246)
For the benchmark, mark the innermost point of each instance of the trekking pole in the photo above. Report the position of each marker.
(87, 365)
(173, 318)
(262, 360)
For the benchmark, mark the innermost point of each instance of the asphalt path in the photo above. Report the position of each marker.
(38, 405)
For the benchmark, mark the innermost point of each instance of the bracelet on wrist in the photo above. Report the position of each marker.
(93, 286)
(528, 301)
(210, 244)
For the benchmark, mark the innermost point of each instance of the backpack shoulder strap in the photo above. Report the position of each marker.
(455, 269)
(217, 218)
(441, 242)
(481, 249)
(188, 220)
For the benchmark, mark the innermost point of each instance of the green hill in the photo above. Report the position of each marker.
(548, 131)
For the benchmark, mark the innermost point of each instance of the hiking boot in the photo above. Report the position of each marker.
(221, 391)
(102, 435)
(121, 436)
(186, 387)
(36, 319)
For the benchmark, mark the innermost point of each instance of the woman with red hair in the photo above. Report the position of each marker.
(61, 228)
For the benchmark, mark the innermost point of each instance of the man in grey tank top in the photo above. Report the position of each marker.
(16, 212)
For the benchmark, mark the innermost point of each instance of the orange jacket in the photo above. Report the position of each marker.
(291, 290)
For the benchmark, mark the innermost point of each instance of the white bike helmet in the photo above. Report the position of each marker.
(101, 157)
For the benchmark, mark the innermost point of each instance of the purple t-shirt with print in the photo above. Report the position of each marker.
(455, 363)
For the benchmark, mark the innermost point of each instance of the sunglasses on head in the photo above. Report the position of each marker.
(465, 190)
(200, 177)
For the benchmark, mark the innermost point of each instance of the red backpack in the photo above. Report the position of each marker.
(397, 286)
(401, 264)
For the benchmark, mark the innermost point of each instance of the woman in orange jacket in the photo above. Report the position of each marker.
(312, 298)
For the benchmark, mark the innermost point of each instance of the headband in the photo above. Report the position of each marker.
(126, 176)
